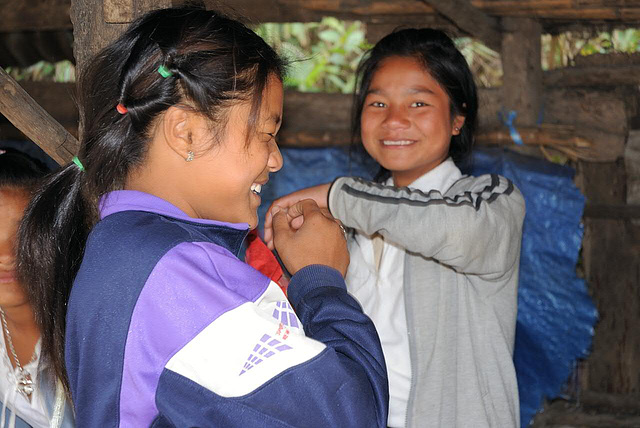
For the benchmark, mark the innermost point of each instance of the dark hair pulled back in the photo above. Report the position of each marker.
(20, 171)
(214, 61)
(443, 61)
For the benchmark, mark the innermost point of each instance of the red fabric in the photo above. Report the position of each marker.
(262, 259)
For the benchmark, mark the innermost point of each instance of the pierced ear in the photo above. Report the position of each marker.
(176, 126)
(458, 123)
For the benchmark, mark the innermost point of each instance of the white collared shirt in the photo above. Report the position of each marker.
(380, 292)
(33, 412)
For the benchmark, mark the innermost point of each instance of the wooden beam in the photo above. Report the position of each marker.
(612, 211)
(38, 125)
(397, 12)
(625, 75)
(596, 116)
(34, 15)
(38, 15)
(470, 19)
(562, 413)
(617, 403)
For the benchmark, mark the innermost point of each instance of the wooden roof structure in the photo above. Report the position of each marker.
(34, 29)
(591, 112)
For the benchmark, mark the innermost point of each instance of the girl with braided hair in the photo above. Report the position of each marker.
(130, 252)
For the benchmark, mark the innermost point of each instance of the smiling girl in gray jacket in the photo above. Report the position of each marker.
(434, 254)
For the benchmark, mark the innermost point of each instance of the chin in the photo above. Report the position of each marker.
(253, 222)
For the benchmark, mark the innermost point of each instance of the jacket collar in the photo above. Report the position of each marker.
(228, 235)
(440, 178)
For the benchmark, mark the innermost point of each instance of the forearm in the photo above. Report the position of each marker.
(331, 316)
(333, 377)
(474, 228)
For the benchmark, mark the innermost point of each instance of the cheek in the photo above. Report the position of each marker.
(368, 123)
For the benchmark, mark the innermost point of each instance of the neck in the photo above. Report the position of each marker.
(23, 330)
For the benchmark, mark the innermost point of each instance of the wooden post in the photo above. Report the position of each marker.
(521, 62)
(470, 19)
(38, 125)
(522, 79)
(98, 23)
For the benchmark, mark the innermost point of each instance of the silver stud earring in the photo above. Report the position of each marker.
(189, 157)
(457, 129)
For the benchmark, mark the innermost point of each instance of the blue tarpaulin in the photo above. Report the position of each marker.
(555, 313)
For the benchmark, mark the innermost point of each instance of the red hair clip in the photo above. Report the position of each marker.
(121, 108)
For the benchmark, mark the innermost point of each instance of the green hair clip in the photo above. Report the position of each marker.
(164, 71)
(77, 162)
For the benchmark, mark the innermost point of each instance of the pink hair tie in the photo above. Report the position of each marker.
(121, 108)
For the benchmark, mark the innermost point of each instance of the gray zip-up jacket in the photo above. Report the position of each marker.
(460, 285)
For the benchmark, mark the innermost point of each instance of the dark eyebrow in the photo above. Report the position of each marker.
(421, 90)
(412, 90)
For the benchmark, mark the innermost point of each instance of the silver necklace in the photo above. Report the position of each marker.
(24, 381)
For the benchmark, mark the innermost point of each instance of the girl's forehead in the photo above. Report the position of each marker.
(272, 100)
(13, 200)
(401, 66)
(406, 74)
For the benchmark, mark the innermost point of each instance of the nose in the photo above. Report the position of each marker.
(7, 252)
(275, 158)
(396, 118)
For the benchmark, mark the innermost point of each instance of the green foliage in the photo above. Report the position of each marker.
(324, 55)
(560, 50)
(63, 71)
(627, 41)
(484, 62)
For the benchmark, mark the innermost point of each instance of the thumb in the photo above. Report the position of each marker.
(280, 224)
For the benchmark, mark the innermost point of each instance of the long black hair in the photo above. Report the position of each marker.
(212, 62)
(443, 61)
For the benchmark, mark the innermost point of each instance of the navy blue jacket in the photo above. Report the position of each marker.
(166, 327)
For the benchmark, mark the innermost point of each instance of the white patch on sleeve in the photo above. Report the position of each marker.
(244, 348)
(275, 303)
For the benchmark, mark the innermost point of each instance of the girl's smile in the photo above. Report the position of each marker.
(406, 120)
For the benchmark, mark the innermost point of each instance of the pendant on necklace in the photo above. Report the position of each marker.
(25, 385)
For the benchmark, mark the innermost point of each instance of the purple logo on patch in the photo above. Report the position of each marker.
(283, 312)
(265, 348)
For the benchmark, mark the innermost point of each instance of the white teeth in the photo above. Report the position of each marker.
(397, 143)
(256, 188)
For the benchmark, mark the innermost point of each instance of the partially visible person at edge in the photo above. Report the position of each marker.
(136, 244)
(30, 395)
(434, 254)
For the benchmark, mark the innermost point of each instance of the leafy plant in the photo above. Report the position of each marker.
(560, 50)
(63, 71)
(484, 62)
(324, 55)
